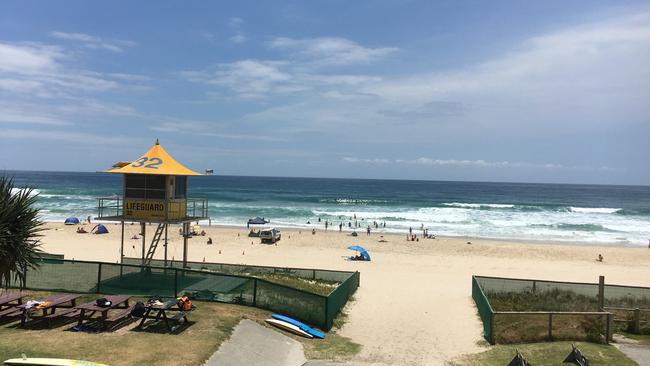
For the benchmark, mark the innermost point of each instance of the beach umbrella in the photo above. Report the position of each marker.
(71, 221)
(363, 252)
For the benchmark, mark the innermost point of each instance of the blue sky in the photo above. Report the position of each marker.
(552, 91)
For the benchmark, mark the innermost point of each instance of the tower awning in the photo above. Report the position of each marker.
(154, 161)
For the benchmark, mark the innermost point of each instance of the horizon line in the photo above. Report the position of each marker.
(355, 178)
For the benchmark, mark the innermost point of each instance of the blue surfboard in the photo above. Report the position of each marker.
(302, 326)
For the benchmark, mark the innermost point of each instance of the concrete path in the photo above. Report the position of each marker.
(640, 353)
(253, 344)
(329, 363)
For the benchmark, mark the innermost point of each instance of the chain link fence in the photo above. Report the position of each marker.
(222, 283)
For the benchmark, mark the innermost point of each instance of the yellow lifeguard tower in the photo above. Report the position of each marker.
(154, 191)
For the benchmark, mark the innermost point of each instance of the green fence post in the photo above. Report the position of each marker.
(550, 326)
(175, 282)
(491, 338)
(99, 276)
(254, 291)
(327, 320)
(637, 321)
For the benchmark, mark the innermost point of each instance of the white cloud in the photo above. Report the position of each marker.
(21, 116)
(248, 78)
(28, 58)
(595, 58)
(42, 84)
(93, 42)
(479, 163)
(366, 161)
(253, 79)
(75, 37)
(331, 50)
(67, 136)
(206, 128)
(238, 38)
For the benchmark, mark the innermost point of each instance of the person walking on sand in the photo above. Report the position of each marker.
(326, 224)
(410, 231)
(368, 230)
(340, 226)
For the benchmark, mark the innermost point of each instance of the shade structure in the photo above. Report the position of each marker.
(154, 161)
(99, 229)
(258, 221)
(363, 252)
(71, 221)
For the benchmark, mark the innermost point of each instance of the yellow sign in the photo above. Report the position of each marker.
(144, 209)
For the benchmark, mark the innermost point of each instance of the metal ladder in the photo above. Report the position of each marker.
(154, 244)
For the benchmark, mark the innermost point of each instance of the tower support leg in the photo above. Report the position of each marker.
(166, 244)
(186, 235)
(143, 228)
(122, 250)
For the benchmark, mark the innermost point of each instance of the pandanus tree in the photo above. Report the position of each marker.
(20, 232)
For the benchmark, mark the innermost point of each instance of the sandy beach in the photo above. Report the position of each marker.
(414, 305)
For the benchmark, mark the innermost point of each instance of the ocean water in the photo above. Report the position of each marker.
(594, 214)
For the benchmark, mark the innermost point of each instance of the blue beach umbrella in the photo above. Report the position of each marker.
(363, 252)
(71, 221)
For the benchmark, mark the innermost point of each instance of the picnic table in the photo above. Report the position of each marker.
(161, 310)
(9, 301)
(52, 302)
(89, 309)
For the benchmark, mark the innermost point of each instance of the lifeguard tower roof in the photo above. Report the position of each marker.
(155, 161)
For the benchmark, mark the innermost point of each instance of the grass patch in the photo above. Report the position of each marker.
(558, 300)
(546, 354)
(210, 325)
(333, 347)
(320, 287)
(553, 300)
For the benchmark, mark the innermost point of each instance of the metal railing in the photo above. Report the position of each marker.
(113, 208)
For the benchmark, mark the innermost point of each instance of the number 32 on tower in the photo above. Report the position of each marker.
(152, 163)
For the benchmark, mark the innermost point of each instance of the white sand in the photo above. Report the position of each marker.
(414, 306)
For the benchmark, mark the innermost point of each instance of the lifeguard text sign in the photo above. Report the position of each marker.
(144, 209)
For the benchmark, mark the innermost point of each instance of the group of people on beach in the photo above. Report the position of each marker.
(425, 234)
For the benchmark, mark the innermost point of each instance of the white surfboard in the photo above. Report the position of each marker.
(50, 362)
(289, 327)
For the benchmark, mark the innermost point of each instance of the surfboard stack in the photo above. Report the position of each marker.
(294, 326)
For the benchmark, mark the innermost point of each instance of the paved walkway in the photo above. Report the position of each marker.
(253, 344)
(640, 353)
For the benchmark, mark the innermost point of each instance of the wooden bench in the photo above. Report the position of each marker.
(179, 315)
(67, 313)
(10, 312)
(120, 315)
